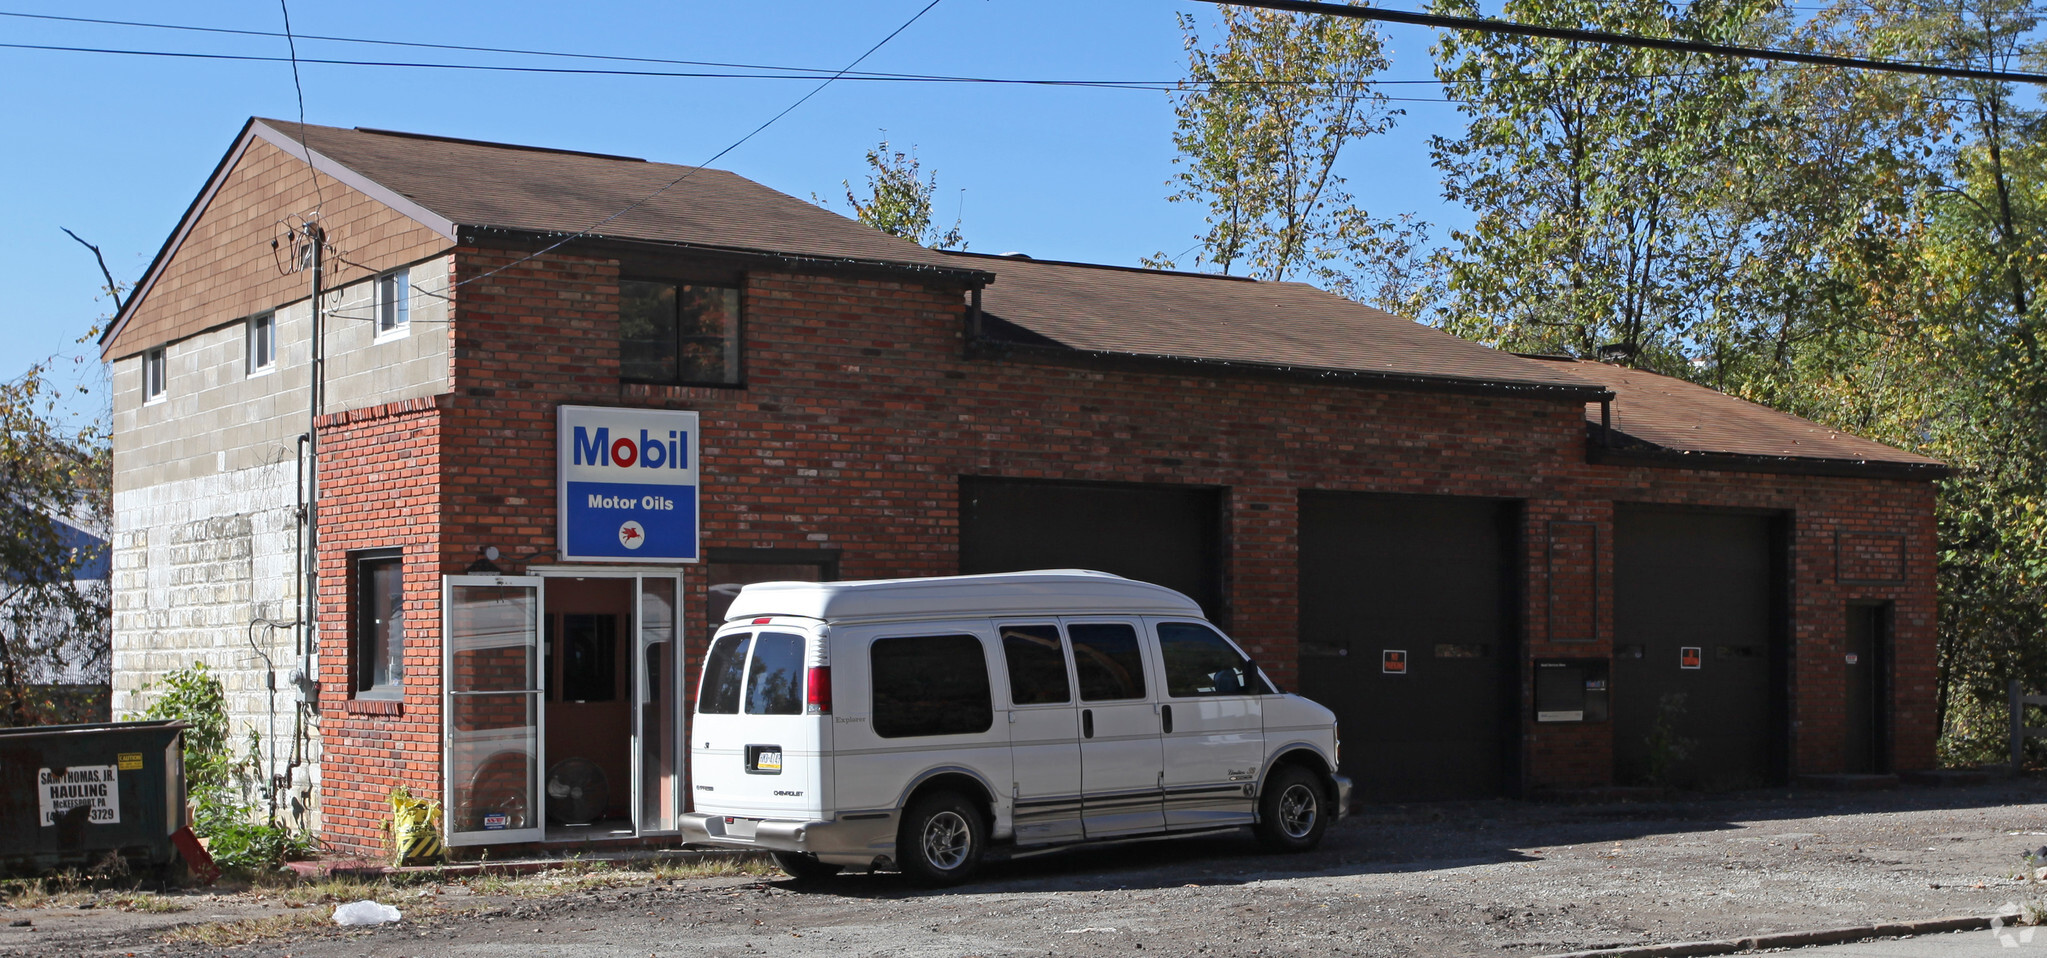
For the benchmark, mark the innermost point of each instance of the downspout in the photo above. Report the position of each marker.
(310, 653)
(1606, 424)
(974, 317)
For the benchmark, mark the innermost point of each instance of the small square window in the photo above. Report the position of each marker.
(679, 333)
(379, 625)
(262, 343)
(394, 303)
(153, 379)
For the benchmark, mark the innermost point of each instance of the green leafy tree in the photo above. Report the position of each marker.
(898, 200)
(1263, 117)
(52, 620)
(1595, 172)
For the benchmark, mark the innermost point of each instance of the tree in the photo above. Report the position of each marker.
(54, 613)
(1595, 172)
(899, 199)
(1263, 117)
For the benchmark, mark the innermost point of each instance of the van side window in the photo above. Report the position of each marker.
(723, 667)
(1105, 656)
(930, 685)
(1199, 661)
(1037, 665)
(774, 680)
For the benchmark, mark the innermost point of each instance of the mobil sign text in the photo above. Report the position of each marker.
(628, 481)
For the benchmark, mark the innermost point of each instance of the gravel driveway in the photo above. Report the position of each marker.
(1484, 878)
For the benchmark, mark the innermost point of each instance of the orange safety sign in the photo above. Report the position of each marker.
(1393, 661)
(1688, 656)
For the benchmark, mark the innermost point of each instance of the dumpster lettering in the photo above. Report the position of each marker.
(95, 787)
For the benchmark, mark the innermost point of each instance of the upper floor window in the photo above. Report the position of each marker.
(262, 343)
(394, 303)
(153, 375)
(678, 333)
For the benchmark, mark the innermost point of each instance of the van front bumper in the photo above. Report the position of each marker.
(852, 839)
(1342, 795)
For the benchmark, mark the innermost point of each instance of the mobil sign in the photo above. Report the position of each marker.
(628, 484)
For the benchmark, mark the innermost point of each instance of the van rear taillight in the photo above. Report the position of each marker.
(817, 690)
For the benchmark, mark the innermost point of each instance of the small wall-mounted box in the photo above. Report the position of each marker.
(1570, 690)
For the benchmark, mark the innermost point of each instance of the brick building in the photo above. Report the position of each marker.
(1503, 572)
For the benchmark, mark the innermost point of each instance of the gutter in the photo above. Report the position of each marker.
(480, 235)
(996, 350)
(1601, 454)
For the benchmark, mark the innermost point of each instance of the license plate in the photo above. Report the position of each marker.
(741, 827)
(764, 759)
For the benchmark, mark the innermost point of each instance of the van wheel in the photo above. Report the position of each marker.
(1293, 810)
(941, 840)
(805, 867)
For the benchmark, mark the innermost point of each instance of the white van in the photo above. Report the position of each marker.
(921, 723)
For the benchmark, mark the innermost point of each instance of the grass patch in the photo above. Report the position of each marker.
(227, 934)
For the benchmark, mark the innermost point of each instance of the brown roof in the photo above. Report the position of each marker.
(1655, 413)
(1224, 319)
(559, 191)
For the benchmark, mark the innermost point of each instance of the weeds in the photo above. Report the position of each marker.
(226, 934)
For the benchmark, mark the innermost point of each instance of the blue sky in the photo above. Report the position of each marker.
(114, 147)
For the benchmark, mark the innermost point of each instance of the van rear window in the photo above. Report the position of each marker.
(774, 682)
(724, 666)
(930, 685)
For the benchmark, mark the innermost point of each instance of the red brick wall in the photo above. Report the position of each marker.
(379, 478)
(861, 412)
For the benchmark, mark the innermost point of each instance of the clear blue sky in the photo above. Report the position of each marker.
(114, 147)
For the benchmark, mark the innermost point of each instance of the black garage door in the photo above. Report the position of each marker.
(1169, 535)
(1408, 632)
(1697, 666)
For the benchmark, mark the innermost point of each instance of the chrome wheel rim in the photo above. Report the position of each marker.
(947, 840)
(1297, 811)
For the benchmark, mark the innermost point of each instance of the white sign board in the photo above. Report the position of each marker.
(97, 787)
(627, 481)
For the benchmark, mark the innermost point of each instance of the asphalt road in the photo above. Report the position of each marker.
(1492, 878)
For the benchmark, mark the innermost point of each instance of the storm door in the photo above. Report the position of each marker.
(657, 717)
(492, 708)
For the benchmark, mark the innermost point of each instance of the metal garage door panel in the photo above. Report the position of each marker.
(1429, 577)
(1168, 535)
(1694, 580)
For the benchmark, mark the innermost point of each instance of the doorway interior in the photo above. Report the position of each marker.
(564, 704)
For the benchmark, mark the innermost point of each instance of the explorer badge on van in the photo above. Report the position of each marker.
(923, 723)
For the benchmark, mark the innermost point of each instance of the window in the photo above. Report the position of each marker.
(393, 306)
(1037, 665)
(728, 569)
(1199, 661)
(262, 343)
(153, 375)
(380, 624)
(1107, 660)
(723, 667)
(774, 679)
(678, 333)
(930, 685)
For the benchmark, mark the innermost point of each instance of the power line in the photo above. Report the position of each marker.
(1483, 25)
(756, 131)
(319, 199)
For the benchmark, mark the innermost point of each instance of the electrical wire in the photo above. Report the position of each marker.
(1483, 25)
(319, 200)
(756, 131)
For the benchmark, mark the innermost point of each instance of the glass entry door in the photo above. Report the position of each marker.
(657, 720)
(492, 711)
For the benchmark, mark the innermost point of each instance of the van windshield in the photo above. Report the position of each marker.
(724, 665)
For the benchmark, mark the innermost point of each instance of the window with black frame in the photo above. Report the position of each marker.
(380, 625)
(678, 333)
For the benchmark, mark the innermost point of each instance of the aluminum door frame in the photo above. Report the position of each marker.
(536, 829)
